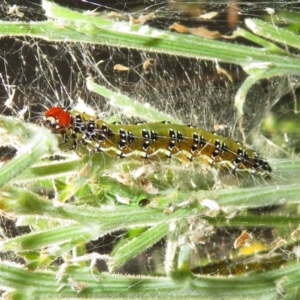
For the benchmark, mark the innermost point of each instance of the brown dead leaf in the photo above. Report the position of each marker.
(243, 240)
(222, 71)
(147, 17)
(148, 64)
(198, 31)
(141, 19)
(179, 28)
(209, 15)
(295, 234)
(148, 187)
(133, 21)
(203, 32)
(185, 8)
(114, 15)
(119, 67)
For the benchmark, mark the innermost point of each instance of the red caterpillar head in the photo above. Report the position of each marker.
(58, 118)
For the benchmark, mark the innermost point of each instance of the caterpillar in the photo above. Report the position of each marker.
(149, 140)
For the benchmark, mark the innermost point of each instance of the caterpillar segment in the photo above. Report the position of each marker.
(155, 140)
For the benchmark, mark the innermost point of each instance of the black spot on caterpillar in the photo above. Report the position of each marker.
(150, 140)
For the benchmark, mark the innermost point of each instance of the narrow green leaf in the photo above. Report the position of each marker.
(31, 141)
(274, 33)
(130, 107)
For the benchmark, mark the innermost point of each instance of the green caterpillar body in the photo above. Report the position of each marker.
(150, 140)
